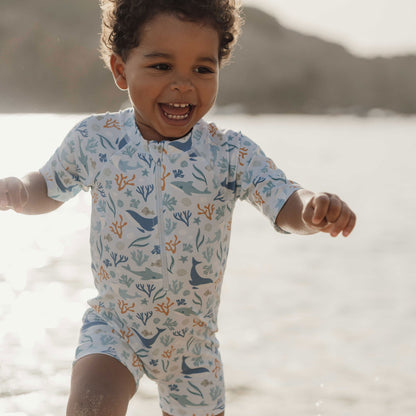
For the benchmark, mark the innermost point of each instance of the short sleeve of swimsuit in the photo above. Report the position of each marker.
(260, 182)
(69, 170)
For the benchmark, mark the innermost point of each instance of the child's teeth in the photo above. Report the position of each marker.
(178, 116)
(179, 105)
(174, 117)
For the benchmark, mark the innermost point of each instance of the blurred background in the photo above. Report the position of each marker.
(326, 56)
(309, 326)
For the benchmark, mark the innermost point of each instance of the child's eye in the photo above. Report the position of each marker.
(204, 70)
(161, 67)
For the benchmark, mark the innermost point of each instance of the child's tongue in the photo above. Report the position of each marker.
(174, 111)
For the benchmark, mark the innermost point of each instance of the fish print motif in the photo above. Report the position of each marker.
(160, 233)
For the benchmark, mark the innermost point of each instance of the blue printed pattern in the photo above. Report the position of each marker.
(160, 232)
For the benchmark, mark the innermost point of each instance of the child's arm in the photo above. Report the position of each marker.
(28, 195)
(307, 213)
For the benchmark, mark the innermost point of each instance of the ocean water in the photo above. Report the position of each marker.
(309, 325)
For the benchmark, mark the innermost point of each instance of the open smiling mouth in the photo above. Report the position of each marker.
(176, 111)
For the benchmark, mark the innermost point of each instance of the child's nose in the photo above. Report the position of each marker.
(182, 84)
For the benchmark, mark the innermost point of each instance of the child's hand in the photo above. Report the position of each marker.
(329, 214)
(13, 194)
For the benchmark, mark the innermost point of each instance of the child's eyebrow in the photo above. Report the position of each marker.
(209, 59)
(164, 55)
(151, 55)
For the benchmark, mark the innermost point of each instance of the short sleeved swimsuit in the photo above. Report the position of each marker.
(160, 232)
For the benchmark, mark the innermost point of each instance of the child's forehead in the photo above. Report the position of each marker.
(164, 32)
(174, 22)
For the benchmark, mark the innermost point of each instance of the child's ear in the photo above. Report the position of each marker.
(118, 70)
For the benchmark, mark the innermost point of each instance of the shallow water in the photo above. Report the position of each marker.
(308, 325)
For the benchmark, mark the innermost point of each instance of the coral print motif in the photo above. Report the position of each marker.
(160, 232)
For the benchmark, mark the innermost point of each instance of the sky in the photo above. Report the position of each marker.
(365, 27)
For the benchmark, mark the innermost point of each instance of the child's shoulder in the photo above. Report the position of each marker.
(111, 130)
(217, 135)
(109, 122)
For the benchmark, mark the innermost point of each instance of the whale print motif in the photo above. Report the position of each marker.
(146, 224)
(187, 370)
(196, 278)
(160, 232)
(147, 343)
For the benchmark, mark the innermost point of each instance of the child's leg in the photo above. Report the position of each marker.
(100, 385)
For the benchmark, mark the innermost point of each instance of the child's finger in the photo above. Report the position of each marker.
(320, 204)
(13, 199)
(18, 197)
(4, 203)
(339, 226)
(343, 220)
(334, 209)
(350, 226)
(21, 198)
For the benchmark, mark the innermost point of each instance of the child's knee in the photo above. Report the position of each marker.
(100, 386)
(95, 400)
(85, 403)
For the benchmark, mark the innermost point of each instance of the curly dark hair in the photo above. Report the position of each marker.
(123, 19)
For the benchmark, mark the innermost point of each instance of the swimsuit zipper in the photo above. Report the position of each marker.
(159, 205)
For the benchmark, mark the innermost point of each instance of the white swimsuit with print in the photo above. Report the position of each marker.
(160, 232)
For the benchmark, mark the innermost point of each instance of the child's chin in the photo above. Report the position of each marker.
(176, 132)
(177, 136)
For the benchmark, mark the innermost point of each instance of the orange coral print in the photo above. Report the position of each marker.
(258, 199)
(242, 155)
(126, 335)
(117, 228)
(125, 307)
(123, 181)
(198, 323)
(110, 123)
(271, 164)
(217, 368)
(164, 307)
(168, 353)
(172, 245)
(219, 280)
(208, 210)
(103, 275)
(97, 308)
(164, 176)
(212, 130)
(137, 362)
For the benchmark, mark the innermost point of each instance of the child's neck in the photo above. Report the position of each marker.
(156, 137)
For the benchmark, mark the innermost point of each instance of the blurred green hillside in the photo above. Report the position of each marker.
(49, 63)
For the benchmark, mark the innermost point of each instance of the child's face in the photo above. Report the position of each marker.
(172, 76)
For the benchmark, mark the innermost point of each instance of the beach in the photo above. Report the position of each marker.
(309, 325)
